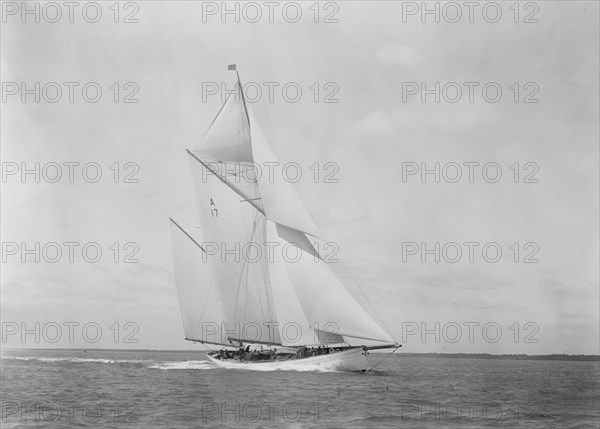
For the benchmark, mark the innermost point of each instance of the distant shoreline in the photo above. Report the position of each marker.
(553, 357)
(561, 357)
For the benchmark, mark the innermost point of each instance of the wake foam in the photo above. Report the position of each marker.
(190, 364)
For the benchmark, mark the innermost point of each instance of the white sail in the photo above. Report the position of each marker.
(198, 298)
(294, 327)
(324, 299)
(228, 137)
(341, 272)
(280, 200)
(225, 150)
(233, 230)
(289, 298)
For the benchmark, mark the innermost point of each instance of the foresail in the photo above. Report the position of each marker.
(323, 298)
(341, 272)
(197, 294)
(294, 327)
(280, 200)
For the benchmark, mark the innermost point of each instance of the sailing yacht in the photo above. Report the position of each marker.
(252, 281)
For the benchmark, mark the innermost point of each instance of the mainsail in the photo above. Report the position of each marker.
(198, 300)
(237, 285)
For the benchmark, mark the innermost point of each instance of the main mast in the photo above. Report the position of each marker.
(241, 89)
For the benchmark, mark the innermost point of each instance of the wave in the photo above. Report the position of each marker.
(75, 359)
(152, 364)
(190, 364)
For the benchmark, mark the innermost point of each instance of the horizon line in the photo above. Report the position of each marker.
(397, 353)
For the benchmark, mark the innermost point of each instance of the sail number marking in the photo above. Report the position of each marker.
(214, 211)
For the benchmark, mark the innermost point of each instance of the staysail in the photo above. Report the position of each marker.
(260, 255)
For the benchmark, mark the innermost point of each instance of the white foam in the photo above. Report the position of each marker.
(190, 364)
(19, 357)
(193, 364)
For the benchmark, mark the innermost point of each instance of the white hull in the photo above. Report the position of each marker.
(348, 360)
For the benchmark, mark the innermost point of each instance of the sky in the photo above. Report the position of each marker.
(375, 132)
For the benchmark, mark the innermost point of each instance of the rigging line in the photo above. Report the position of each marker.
(269, 306)
(244, 266)
(389, 354)
(237, 294)
(265, 270)
(243, 98)
(248, 269)
(207, 297)
(246, 137)
(215, 118)
(248, 272)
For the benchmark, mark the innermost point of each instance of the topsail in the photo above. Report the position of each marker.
(227, 296)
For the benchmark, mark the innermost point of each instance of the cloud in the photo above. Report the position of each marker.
(402, 55)
(369, 133)
(378, 122)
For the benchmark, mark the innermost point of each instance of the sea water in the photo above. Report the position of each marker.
(170, 389)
